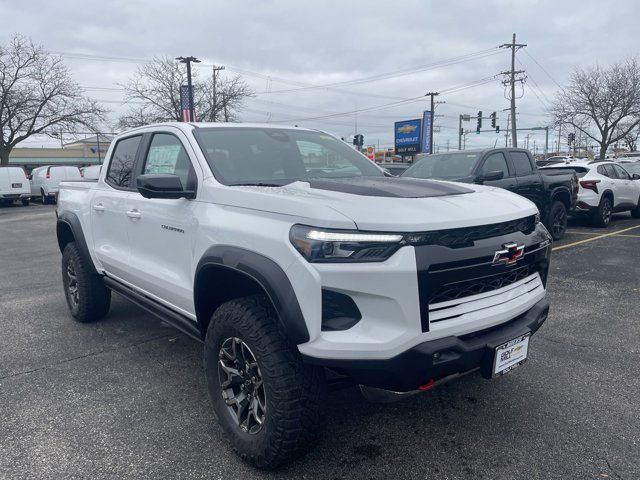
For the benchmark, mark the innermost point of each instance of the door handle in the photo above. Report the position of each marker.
(98, 207)
(134, 214)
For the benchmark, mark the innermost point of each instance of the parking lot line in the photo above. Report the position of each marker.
(579, 242)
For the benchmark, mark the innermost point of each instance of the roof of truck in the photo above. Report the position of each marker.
(186, 125)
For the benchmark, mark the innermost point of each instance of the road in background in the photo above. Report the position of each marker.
(126, 397)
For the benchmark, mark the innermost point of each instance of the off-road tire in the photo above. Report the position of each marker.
(294, 391)
(557, 220)
(93, 297)
(602, 216)
(25, 202)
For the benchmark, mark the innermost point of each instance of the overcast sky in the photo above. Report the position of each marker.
(298, 45)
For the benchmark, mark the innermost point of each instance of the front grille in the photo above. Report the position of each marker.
(454, 291)
(464, 237)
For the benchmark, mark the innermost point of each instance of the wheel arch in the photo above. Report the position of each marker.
(225, 273)
(69, 229)
(608, 193)
(563, 196)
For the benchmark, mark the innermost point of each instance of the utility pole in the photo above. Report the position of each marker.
(559, 136)
(506, 135)
(466, 118)
(216, 69)
(512, 82)
(546, 141)
(431, 94)
(188, 61)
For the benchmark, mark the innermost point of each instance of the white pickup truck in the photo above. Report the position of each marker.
(301, 266)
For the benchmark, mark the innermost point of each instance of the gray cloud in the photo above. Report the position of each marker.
(334, 41)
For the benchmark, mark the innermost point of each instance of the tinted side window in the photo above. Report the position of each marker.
(608, 171)
(496, 162)
(602, 171)
(122, 162)
(620, 172)
(167, 155)
(522, 163)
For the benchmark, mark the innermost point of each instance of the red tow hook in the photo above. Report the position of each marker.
(427, 386)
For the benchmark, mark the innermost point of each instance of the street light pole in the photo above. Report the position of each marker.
(188, 61)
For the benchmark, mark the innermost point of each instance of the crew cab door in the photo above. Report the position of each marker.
(108, 207)
(497, 162)
(162, 231)
(529, 181)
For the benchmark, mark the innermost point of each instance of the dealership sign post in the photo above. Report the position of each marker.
(407, 136)
(426, 132)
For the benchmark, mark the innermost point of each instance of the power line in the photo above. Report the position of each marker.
(543, 69)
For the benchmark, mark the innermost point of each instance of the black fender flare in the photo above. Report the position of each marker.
(266, 273)
(71, 220)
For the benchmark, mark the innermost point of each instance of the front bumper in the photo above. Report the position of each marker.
(437, 359)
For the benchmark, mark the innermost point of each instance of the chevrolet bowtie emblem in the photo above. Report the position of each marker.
(510, 254)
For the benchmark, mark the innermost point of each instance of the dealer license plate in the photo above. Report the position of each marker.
(511, 354)
(16, 185)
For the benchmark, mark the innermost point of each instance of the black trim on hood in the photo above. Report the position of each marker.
(388, 187)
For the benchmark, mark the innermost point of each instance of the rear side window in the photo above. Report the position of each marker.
(521, 163)
(122, 162)
(496, 163)
(607, 171)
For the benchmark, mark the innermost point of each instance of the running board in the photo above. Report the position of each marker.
(176, 320)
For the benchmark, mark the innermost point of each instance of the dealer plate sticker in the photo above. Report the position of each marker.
(511, 354)
(16, 185)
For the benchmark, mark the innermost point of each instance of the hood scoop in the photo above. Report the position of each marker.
(388, 187)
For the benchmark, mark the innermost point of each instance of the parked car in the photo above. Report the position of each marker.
(287, 270)
(92, 172)
(45, 180)
(14, 185)
(554, 160)
(394, 168)
(512, 169)
(605, 188)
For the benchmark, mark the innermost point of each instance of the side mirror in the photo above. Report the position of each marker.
(490, 176)
(635, 176)
(162, 186)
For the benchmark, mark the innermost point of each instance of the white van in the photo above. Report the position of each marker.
(14, 185)
(92, 172)
(45, 180)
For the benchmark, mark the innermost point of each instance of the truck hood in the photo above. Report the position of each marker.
(381, 203)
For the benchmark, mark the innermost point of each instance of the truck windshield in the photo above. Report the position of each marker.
(274, 157)
(445, 165)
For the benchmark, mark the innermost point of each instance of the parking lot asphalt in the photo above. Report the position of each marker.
(126, 397)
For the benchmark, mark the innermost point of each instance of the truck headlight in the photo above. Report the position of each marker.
(324, 245)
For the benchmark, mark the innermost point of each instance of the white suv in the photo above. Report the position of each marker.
(604, 188)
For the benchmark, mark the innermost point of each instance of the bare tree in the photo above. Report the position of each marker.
(155, 94)
(603, 104)
(631, 139)
(37, 93)
(221, 99)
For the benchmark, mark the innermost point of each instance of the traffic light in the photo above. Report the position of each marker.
(497, 128)
(461, 131)
(479, 124)
(493, 119)
(358, 140)
(572, 137)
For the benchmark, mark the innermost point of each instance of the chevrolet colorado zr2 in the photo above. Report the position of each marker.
(296, 261)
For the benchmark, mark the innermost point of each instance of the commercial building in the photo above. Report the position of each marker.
(87, 151)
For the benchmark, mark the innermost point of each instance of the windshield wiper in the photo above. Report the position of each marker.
(255, 184)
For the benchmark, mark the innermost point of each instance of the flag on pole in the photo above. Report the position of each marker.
(185, 103)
